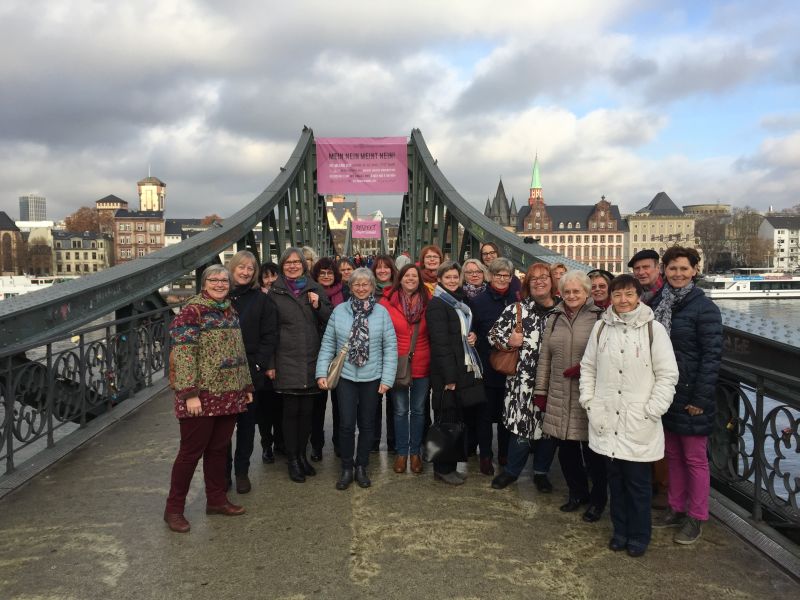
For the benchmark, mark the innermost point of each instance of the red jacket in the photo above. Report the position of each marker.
(421, 363)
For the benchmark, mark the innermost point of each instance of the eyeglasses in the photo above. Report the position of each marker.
(489, 253)
(325, 273)
(436, 256)
(361, 284)
(541, 278)
(218, 281)
(502, 275)
(475, 272)
(293, 262)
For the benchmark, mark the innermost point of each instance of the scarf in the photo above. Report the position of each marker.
(334, 294)
(669, 298)
(473, 290)
(471, 358)
(604, 304)
(429, 277)
(358, 353)
(411, 305)
(296, 286)
(222, 305)
(380, 286)
(650, 293)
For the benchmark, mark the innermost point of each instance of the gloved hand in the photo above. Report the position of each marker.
(574, 372)
(540, 401)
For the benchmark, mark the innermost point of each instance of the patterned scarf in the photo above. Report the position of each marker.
(669, 298)
(411, 305)
(651, 292)
(428, 276)
(471, 358)
(473, 290)
(296, 286)
(358, 354)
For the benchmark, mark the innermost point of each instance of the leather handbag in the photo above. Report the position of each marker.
(403, 378)
(505, 361)
(336, 366)
(445, 442)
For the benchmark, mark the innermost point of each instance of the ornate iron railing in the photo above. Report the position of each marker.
(755, 446)
(61, 384)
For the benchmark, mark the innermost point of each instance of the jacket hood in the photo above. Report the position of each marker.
(640, 316)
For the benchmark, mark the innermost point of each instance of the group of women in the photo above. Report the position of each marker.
(597, 369)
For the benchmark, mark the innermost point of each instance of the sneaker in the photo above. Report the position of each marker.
(669, 519)
(689, 533)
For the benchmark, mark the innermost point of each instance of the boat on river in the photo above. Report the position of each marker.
(751, 283)
(16, 285)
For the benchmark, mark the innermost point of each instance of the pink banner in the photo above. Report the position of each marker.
(362, 165)
(367, 230)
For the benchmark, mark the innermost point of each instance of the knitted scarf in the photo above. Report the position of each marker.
(473, 290)
(669, 298)
(296, 286)
(380, 287)
(428, 276)
(334, 294)
(650, 292)
(358, 354)
(471, 358)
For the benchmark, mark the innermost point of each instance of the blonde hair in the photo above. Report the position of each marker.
(239, 258)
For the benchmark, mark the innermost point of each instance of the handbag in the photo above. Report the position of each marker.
(336, 366)
(403, 378)
(445, 442)
(505, 361)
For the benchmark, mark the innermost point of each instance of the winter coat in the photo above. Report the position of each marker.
(696, 335)
(382, 362)
(486, 309)
(562, 348)
(300, 328)
(520, 415)
(421, 363)
(626, 384)
(209, 358)
(447, 354)
(259, 323)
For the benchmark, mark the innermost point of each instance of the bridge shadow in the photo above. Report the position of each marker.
(90, 527)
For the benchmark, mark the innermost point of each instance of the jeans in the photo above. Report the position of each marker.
(409, 415)
(297, 414)
(689, 477)
(495, 398)
(544, 450)
(631, 487)
(245, 439)
(390, 439)
(318, 420)
(357, 402)
(208, 437)
(269, 416)
(577, 461)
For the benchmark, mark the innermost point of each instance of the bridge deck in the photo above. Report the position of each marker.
(90, 527)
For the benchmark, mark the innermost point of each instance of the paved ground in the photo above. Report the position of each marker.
(91, 527)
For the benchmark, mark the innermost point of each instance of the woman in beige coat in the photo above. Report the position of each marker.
(557, 384)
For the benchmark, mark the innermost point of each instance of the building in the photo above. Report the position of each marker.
(339, 211)
(152, 194)
(110, 204)
(32, 208)
(500, 211)
(137, 234)
(39, 242)
(784, 233)
(12, 247)
(707, 210)
(81, 253)
(659, 225)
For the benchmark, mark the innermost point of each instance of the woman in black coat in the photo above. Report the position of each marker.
(303, 310)
(695, 327)
(258, 322)
(455, 366)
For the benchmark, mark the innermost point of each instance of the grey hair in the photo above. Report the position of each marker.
(477, 263)
(501, 264)
(578, 276)
(287, 253)
(213, 270)
(446, 266)
(363, 273)
(309, 254)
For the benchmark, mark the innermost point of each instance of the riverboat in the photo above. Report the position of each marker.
(16, 285)
(751, 283)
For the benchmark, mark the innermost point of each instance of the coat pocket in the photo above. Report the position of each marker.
(597, 420)
(639, 429)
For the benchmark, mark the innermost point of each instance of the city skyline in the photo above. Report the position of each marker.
(698, 100)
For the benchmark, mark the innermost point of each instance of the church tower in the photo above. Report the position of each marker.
(152, 194)
(536, 220)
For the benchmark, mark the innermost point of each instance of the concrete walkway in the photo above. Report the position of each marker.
(90, 527)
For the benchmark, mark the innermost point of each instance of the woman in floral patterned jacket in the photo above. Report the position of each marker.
(212, 386)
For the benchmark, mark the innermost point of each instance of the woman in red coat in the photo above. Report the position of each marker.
(406, 303)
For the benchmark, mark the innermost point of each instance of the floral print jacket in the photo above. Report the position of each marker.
(209, 358)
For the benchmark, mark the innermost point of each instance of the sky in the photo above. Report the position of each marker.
(620, 98)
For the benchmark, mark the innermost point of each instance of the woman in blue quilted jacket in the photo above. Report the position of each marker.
(695, 327)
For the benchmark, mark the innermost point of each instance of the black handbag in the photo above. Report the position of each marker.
(445, 442)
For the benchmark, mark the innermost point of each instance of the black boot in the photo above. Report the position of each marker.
(296, 470)
(267, 455)
(362, 478)
(308, 470)
(345, 479)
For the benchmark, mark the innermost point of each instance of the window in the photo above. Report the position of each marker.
(76, 243)
(94, 245)
(578, 225)
(602, 225)
(85, 256)
(635, 238)
(94, 268)
(594, 239)
(67, 257)
(58, 244)
(94, 255)
(602, 239)
(569, 239)
(561, 225)
(140, 239)
(140, 227)
(537, 225)
(69, 268)
(594, 224)
(569, 225)
(529, 226)
(140, 252)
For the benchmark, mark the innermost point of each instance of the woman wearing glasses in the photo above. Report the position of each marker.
(490, 251)
(212, 386)
(303, 311)
(430, 257)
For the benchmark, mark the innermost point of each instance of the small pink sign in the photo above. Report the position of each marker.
(367, 230)
(362, 165)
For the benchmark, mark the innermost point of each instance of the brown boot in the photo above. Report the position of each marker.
(416, 464)
(400, 463)
(176, 522)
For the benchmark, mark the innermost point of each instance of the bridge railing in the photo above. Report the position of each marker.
(755, 446)
(49, 389)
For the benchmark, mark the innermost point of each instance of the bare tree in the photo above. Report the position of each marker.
(741, 232)
(710, 234)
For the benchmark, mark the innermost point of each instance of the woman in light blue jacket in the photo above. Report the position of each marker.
(368, 372)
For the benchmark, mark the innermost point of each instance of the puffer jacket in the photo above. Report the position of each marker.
(696, 335)
(627, 384)
(562, 347)
(421, 362)
(300, 328)
(382, 362)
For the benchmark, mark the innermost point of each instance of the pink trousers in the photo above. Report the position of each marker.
(689, 477)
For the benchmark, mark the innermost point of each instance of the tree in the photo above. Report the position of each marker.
(83, 219)
(710, 234)
(742, 232)
(209, 219)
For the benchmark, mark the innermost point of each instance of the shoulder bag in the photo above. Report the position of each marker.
(505, 361)
(336, 366)
(445, 442)
(403, 377)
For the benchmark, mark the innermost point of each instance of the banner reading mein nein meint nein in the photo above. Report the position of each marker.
(362, 165)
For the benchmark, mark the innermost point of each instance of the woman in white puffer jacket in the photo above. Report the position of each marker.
(628, 377)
